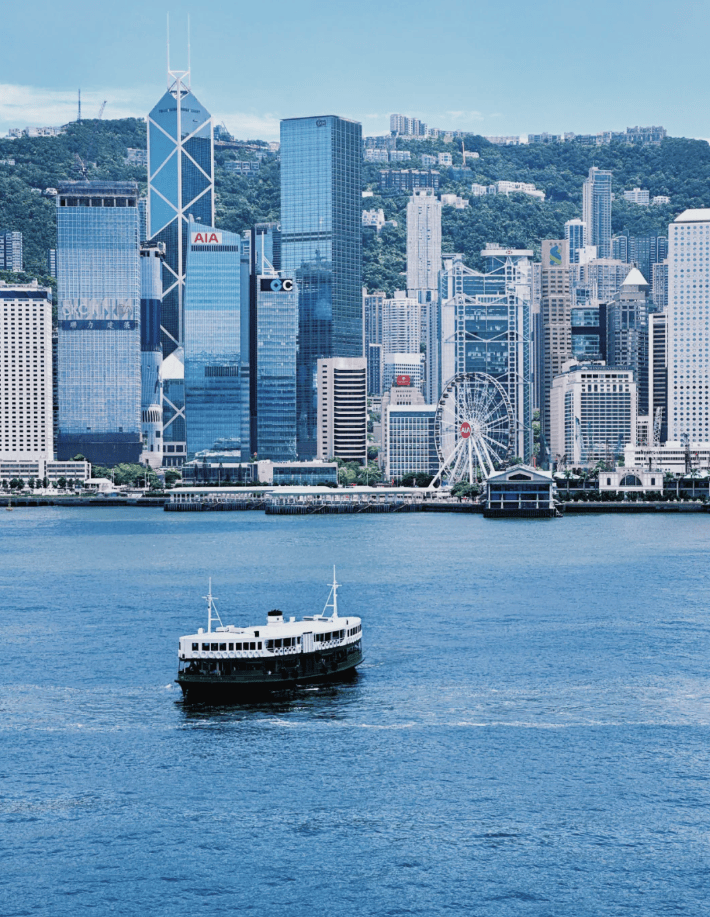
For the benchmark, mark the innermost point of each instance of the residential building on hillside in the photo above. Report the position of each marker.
(99, 341)
(321, 217)
(637, 196)
(401, 125)
(423, 241)
(409, 179)
(596, 200)
(11, 258)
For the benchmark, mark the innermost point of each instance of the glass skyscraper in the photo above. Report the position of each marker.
(180, 187)
(596, 205)
(485, 328)
(216, 344)
(321, 246)
(99, 340)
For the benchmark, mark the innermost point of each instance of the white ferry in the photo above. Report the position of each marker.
(227, 661)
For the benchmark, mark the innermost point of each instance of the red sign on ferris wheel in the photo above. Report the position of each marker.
(465, 429)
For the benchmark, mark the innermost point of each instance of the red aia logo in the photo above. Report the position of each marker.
(404, 380)
(465, 429)
(207, 238)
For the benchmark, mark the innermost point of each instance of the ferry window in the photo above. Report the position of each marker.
(259, 647)
(205, 646)
(195, 646)
(277, 643)
(223, 646)
(256, 633)
(269, 644)
(328, 636)
(252, 646)
(214, 646)
(231, 646)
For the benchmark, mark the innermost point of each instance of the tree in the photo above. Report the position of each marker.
(171, 476)
(62, 481)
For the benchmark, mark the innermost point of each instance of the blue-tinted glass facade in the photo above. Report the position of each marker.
(321, 245)
(216, 344)
(277, 339)
(589, 332)
(180, 186)
(99, 338)
(485, 328)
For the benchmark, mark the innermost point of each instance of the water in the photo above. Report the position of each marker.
(529, 734)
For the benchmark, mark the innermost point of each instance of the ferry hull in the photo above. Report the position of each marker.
(262, 678)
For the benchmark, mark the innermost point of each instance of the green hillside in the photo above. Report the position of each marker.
(678, 168)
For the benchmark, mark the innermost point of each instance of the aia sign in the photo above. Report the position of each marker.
(465, 429)
(404, 381)
(206, 238)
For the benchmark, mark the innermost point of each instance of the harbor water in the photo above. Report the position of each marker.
(529, 733)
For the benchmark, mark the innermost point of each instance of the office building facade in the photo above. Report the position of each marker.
(401, 324)
(575, 232)
(556, 321)
(275, 378)
(342, 409)
(180, 188)
(596, 205)
(321, 247)
(216, 310)
(411, 442)
(26, 423)
(627, 333)
(99, 343)
(151, 258)
(172, 379)
(485, 327)
(658, 376)
(594, 413)
(423, 241)
(688, 317)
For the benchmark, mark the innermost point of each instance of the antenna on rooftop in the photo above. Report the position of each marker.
(168, 44)
(189, 77)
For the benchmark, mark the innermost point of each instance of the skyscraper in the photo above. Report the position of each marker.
(401, 324)
(342, 409)
(596, 203)
(423, 241)
(321, 246)
(688, 320)
(574, 233)
(25, 372)
(180, 187)
(627, 332)
(216, 344)
(152, 254)
(99, 345)
(11, 258)
(485, 328)
(556, 312)
(275, 378)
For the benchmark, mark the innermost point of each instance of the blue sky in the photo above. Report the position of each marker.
(494, 68)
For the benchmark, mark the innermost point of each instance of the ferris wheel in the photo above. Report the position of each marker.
(473, 428)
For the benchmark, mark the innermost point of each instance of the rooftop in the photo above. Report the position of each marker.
(694, 216)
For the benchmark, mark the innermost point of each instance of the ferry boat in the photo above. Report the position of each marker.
(226, 662)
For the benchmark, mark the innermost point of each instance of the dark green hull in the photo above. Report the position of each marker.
(254, 677)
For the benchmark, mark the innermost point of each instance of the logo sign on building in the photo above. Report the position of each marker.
(320, 122)
(555, 256)
(206, 238)
(275, 285)
(404, 381)
(465, 429)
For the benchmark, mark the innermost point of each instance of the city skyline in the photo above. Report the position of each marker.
(466, 91)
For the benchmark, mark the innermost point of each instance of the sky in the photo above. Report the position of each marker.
(493, 68)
